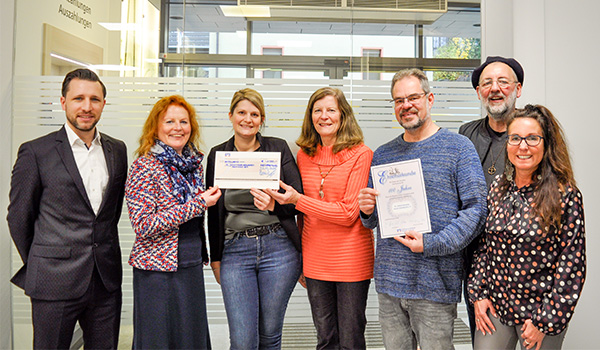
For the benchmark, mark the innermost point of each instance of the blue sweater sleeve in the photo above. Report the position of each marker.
(471, 190)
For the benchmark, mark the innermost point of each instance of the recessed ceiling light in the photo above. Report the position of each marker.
(246, 11)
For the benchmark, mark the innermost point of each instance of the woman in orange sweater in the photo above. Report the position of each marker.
(337, 250)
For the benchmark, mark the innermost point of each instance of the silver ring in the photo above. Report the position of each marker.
(526, 342)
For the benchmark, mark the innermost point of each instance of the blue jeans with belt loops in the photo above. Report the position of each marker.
(258, 276)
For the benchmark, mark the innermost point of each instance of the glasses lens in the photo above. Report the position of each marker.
(502, 83)
(514, 140)
(533, 140)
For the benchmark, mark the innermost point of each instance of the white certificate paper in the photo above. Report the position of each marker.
(402, 201)
(244, 170)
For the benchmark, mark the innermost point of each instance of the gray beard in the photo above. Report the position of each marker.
(500, 116)
(503, 113)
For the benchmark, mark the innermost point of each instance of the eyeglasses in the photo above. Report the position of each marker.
(412, 99)
(531, 140)
(502, 83)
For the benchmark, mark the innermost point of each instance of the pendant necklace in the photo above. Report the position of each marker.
(492, 169)
(321, 193)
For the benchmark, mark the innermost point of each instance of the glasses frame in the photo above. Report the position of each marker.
(521, 139)
(400, 100)
(497, 81)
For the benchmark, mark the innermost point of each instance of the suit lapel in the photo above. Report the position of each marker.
(109, 157)
(66, 154)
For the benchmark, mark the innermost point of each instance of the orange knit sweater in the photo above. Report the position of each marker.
(335, 245)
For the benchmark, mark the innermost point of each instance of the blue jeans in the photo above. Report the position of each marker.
(258, 276)
(338, 311)
(406, 322)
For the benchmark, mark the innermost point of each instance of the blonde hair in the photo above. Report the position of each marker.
(150, 129)
(349, 133)
(254, 97)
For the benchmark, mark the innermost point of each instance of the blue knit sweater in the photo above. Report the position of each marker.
(456, 196)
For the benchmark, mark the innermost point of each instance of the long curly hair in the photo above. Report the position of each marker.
(349, 133)
(554, 172)
(150, 130)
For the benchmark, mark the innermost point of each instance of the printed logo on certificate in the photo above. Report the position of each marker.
(402, 201)
(244, 170)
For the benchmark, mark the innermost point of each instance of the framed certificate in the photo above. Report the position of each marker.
(402, 201)
(244, 170)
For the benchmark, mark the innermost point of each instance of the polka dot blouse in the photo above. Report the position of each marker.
(525, 274)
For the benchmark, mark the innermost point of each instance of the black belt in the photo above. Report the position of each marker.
(260, 230)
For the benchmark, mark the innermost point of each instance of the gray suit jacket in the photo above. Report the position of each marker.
(52, 222)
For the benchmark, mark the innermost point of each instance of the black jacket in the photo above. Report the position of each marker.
(286, 213)
(478, 132)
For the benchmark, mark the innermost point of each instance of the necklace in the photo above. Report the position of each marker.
(492, 169)
(321, 193)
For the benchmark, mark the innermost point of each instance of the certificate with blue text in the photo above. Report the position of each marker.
(244, 170)
(402, 201)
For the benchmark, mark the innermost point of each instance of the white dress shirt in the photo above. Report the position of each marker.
(91, 165)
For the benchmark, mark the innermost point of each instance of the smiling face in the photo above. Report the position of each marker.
(414, 115)
(526, 159)
(497, 101)
(246, 119)
(326, 117)
(83, 104)
(174, 127)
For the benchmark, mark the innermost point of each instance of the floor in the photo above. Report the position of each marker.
(303, 336)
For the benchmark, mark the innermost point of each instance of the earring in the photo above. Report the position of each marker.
(509, 171)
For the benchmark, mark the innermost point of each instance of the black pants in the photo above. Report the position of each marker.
(338, 311)
(98, 312)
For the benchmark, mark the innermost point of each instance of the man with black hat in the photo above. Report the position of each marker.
(498, 83)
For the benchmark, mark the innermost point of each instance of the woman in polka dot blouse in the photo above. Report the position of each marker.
(530, 267)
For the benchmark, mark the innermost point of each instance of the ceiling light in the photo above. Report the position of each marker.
(70, 60)
(118, 26)
(111, 67)
(246, 11)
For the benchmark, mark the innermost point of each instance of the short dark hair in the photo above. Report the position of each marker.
(411, 72)
(83, 74)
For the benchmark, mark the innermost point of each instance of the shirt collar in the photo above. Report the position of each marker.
(73, 138)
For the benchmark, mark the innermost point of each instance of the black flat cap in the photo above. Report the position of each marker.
(511, 62)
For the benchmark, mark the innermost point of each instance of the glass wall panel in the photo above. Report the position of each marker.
(147, 49)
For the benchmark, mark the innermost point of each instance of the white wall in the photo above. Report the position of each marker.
(556, 42)
(7, 11)
(29, 28)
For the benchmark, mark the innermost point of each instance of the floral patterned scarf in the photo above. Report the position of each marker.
(185, 170)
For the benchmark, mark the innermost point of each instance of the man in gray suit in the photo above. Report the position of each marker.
(65, 202)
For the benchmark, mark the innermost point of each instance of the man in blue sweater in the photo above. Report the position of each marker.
(418, 276)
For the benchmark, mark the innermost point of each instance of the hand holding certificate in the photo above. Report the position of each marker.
(245, 170)
(402, 201)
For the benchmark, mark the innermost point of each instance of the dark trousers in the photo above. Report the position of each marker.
(468, 254)
(471, 314)
(98, 312)
(338, 311)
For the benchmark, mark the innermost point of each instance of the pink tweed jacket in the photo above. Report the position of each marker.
(155, 215)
